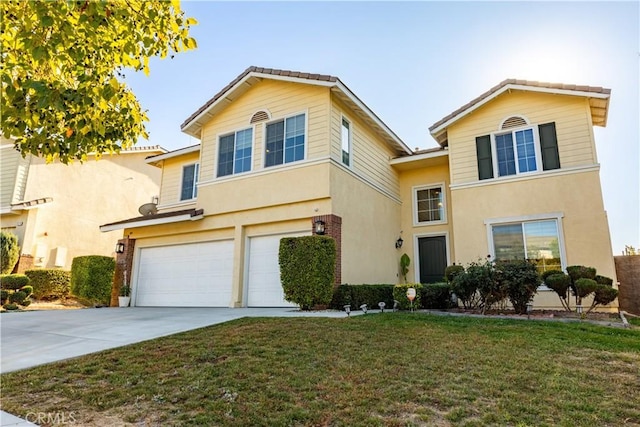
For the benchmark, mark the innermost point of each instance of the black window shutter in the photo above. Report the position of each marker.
(485, 162)
(549, 146)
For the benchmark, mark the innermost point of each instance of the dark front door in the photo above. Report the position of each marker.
(433, 258)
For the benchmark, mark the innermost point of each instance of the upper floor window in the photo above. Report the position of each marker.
(518, 151)
(429, 205)
(234, 153)
(346, 142)
(285, 140)
(189, 189)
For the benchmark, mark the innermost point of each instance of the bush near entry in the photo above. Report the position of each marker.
(92, 278)
(307, 269)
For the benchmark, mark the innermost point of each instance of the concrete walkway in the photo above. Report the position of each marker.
(33, 338)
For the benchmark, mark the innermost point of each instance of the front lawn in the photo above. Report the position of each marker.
(382, 369)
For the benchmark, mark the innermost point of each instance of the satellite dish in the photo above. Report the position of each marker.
(148, 209)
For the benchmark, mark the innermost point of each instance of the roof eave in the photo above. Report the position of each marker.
(153, 221)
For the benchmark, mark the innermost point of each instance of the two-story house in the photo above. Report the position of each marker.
(56, 209)
(285, 153)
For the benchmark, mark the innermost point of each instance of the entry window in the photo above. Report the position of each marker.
(429, 205)
(533, 240)
(285, 141)
(346, 142)
(234, 153)
(189, 182)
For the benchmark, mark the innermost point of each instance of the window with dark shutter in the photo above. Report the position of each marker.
(485, 162)
(549, 146)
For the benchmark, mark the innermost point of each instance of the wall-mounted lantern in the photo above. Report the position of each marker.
(320, 227)
(399, 243)
(119, 248)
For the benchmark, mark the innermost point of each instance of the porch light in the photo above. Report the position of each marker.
(319, 227)
(119, 248)
(363, 307)
(399, 243)
(347, 309)
(381, 304)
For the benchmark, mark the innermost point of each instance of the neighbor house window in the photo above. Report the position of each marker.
(429, 205)
(346, 142)
(234, 153)
(189, 182)
(537, 241)
(518, 151)
(285, 141)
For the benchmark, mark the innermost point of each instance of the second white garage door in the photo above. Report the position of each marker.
(263, 283)
(191, 275)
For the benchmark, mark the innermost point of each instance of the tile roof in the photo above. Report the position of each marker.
(529, 83)
(254, 69)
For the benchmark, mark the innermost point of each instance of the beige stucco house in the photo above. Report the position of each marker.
(56, 209)
(515, 175)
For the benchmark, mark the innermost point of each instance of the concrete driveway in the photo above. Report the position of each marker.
(37, 337)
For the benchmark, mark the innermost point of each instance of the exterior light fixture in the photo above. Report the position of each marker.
(529, 309)
(363, 307)
(320, 227)
(396, 304)
(579, 309)
(381, 304)
(399, 243)
(347, 309)
(119, 248)
(411, 295)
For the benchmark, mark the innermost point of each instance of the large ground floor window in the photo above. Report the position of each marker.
(538, 241)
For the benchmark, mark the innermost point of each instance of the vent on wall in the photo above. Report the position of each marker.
(513, 122)
(259, 117)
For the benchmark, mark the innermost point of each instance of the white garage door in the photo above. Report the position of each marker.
(263, 283)
(191, 275)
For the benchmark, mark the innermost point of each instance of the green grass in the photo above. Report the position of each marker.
(375, 370)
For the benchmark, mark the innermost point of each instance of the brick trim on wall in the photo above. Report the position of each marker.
(333, 229)
(124, 262)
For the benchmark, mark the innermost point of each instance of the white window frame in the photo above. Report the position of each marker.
(194, 190)
(512, 131)
(349, 142)
(414, 192)
(235, 139)
(557, 216)
(279, 119)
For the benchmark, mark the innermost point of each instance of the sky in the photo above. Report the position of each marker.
(415, 62)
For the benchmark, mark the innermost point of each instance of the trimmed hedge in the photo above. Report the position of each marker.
(436, 296)
(307, 266)
(13, 282)
(49, 284)
(92, 278)
(356, 295)
(400, 295)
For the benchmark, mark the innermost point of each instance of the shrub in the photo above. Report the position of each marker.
(548, 273)
(603, 295)
(11, 306)
(26, 302)
(466, 290)
(604, 280)
(356, 295)
(49, 283)
(27, 290)
(3, 296)
(521, 280)
(92, 278)
(486, 280)
(584, 287)
(404, 265)
(452, 271)
(9, 252)
(435, 295)
(577, 272)
(13, 282)
(307, 267)
(400, 295)
(560, 283)
(18, 297)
